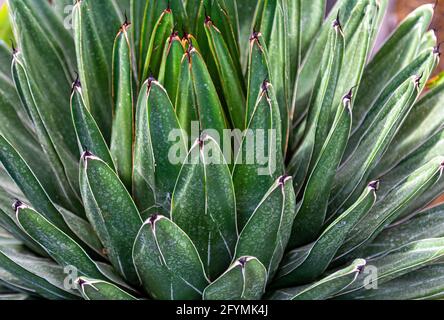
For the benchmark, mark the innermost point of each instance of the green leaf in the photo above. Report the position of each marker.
(306, 264)
(167, 261)
(324, 288)
(169, 74)
(321, 105)
(258, 71)
(355, 171)
(245, 9)
(160, 34)
(137, 19)
(359, 35)
(95, 26)
(58, 244)
(8, 219)
(424, 153)
(312, 212)
(46, 65)
(258, 165)
(422, 284)
(186, 104)
(272, 220)
(387, 209)
(28, 184)
(424, 121)
(305, 18)
(88, 133)
(159, 149)
(229, 73)
(272, 21)
(42, 276)
(396, 263)
(422, 66)
(388, 61)
(123, 115)
(209, 107)
(244, 280)
(204, 206)
(311, 65)
(83, 230)
(311, 18)
(92, 289)
(423, 225)
(63, 165)
(111, 211)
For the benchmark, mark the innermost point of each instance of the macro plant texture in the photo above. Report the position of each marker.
(92, 205)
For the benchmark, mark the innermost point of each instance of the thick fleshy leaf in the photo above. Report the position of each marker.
(161, 31)
(63, 165)
(324, 288)
(167, 261)
(424, 225)
(204, 206)
(137, 19)
(272, 219)
(8, 220)
(258, 71)
(312, 212)
(422, 284)
(169, 74)
(355, 171)
(95, 26)
(321, 105)
(396, 263)
(92, 289)
(305, 18)
(422, 66)
(123, 115)
(150, 11)
(111, 211)
(386, 210)
(159, 149)
(423, 122)
(244, 280)
(25, 179)
(272, 22)
(209, 107)
(44, 55)
(88, 133)
(16, 127)
(359, 35)
(229, 74)
(186, 104)
(258, 165)
(351, 13)
(83, 230)
(245, 9)
(306, 264)
(312, 16)
(58, 244)
(388, 60)
(424, 153)
(42, 276)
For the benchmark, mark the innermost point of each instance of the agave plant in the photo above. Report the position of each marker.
(117, 195)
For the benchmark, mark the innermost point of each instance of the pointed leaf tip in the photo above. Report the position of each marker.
(374, 185)
(17, 205)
